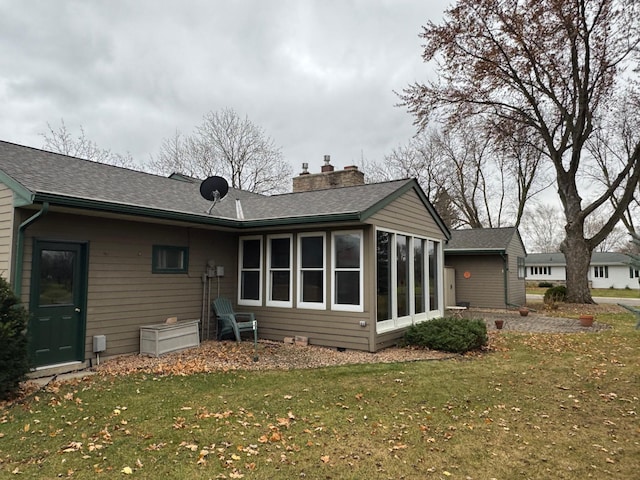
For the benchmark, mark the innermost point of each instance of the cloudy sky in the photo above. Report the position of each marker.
(317, 75)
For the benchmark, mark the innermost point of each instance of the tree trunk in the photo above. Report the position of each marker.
(577, 254)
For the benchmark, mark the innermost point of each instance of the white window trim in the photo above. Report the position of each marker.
(339, 306)
(279, 303)
(241, 301)
(312, 305)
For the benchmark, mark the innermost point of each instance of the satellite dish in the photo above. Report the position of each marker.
(214, 189)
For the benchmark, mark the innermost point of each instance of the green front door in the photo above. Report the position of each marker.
(58, 290)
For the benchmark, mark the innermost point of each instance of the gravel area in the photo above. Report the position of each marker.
(213, 356)
(224, 356)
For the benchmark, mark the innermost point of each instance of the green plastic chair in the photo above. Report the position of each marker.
(227, 321)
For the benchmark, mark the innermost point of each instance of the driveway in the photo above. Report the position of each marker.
(533, 297)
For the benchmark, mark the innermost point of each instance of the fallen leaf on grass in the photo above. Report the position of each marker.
(127, 470)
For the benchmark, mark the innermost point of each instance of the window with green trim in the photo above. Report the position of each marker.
(170, 259)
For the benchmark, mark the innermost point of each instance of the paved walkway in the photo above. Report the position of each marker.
(533, 323)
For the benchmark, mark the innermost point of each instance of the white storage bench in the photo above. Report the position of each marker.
(163, 338)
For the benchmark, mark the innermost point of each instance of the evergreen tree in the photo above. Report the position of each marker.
(14, 363)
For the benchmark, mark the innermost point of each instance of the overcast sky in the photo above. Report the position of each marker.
(317, 75)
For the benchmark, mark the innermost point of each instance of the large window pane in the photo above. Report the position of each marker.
(402, 269)
(312, 252)
(433, 275)
(311, 271)
(250, 285)
(312, 286)
(250, 288)
(347, 271)
(347, 248)
(348, 288)
(279, 271)
(383, 276)
(280, 286)
(280, 252)
(251, 253)
(418, 275)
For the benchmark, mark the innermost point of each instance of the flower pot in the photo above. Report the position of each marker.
(586, 320)
(524, 312)
(499, 324)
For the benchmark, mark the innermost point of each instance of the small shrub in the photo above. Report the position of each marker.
(14, 363)
(545, 285)
(457, 335)
(555, 294)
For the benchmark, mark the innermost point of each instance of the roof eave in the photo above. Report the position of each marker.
(22, 195)
(135, 210)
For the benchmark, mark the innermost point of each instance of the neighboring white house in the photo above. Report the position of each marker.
(607, 269)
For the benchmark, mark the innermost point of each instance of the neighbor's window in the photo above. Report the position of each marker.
(522, 271)
(634, 272)
(311, 270)
(250, 278)
(347, 271)
(169, 259)
(279, 257)
(601, 271)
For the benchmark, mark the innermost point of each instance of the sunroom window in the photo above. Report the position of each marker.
(407, 279)
(347, 271)
(279, 285)
(311, 270)
(250, 278)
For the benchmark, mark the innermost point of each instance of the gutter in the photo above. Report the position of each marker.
(17, 274)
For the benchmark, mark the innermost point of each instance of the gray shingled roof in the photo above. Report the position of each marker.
(45, 175)
(597, 258)
(485, 239)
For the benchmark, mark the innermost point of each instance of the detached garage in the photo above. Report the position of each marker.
(489, 266)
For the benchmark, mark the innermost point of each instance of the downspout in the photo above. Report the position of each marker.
(17, 274)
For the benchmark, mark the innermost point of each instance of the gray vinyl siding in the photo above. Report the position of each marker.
(485, 287)
(6, 231)
(122, 292)
(407, 214)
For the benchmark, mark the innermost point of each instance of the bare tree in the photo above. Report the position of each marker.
(542, 228)
(61, 140)
(610, 147)
(227, 145)
(475, 178)
(547, 65)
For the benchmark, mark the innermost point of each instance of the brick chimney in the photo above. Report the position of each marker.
(327, 178)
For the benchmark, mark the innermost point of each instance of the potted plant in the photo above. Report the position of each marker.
(586, 320)
(499, 324)
(524, 311)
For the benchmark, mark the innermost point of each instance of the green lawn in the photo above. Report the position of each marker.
(560, 406)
